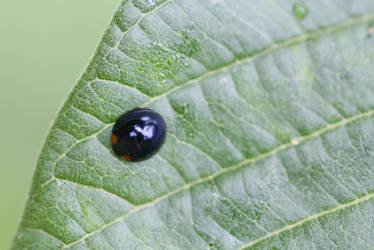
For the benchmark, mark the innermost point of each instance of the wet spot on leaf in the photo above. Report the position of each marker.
(182, 109)
(300, 10)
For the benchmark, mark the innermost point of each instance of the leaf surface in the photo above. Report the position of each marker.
(270, 145)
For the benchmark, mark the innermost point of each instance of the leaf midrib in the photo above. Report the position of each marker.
(329, 127)
(293, 143)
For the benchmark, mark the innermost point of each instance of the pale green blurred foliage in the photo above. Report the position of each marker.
(44, 45)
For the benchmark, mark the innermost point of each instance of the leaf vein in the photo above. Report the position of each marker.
(252, 160)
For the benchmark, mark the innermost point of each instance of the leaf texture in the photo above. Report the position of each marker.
(270, 139)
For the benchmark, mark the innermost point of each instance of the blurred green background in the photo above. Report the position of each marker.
(44, 46)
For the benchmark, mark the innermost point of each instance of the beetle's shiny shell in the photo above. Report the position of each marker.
(138, 134)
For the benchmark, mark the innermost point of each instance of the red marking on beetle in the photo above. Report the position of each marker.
(126, 157)
(114, 139)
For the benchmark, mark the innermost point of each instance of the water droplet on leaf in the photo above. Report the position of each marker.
(300, 10)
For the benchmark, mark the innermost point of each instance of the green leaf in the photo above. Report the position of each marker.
(270, 145)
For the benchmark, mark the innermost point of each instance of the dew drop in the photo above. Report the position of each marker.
(300, 10)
